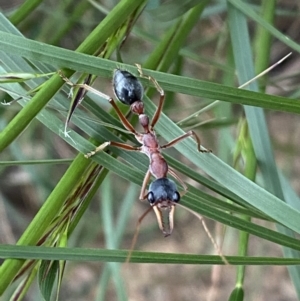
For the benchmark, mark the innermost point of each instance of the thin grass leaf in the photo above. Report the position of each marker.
(24, 286)
(247, 11)
(100, 255)
(237, 294)
(20, 77)
(111, 243)
(173, 9)
(47, 274)
(77, 61)
(24, 10)
(115, 239)
(257, 122)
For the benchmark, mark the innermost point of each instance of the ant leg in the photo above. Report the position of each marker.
(161, 92)
(186, 135)
(137, 229)
(83, 86)
(136, 233)
(123, 119)
(112, 143)
(174, 174)
(143, 194)
(121, 116)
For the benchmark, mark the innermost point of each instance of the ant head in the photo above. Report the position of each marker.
(163, 196)
(127, 87)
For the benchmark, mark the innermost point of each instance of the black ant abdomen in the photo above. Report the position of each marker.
(127, 87)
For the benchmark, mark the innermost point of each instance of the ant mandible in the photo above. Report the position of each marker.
(162, 193)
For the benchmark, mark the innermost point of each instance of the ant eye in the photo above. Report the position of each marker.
(176, 197)
(150, 198)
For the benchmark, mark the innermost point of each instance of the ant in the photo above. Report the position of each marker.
(162, 193)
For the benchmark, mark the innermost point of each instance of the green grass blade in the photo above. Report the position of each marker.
(248, 11)
(81, 62)
(109, 230)
(257, 122)
(80, 254)
(24, 10)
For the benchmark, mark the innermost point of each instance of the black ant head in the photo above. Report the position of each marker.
(163, 196)
(127, 87)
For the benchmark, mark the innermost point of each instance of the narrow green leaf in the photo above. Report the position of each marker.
(20, 77)
(46, 278)
(81, 62)
(25, 285)
(248, 11)
(257, 123)
(101, 255)
(237, 294)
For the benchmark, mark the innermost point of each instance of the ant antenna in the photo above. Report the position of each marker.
(136, 234)
(216, 246)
